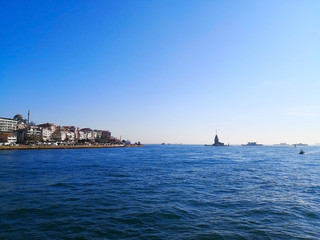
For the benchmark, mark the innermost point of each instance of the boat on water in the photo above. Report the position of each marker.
(281, 144)
(301, 152)
(300, 145)
(252, 144)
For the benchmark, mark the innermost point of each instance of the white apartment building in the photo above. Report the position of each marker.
(82, 135)
(32, 130)
(59, 135)
(90, 135)
(8, 138)
(46, 134)
(95, 134)
(70, 136)
(12, 139)
(8, 125)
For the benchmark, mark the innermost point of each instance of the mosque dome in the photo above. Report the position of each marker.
(18, 117)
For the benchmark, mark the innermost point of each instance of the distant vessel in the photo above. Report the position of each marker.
(300, 145)
(281, 144)
(252, 144)
(217, 143)
(301, 152)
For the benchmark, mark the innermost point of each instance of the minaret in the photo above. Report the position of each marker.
(28, 116)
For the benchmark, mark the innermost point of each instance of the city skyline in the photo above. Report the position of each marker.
(163, 71)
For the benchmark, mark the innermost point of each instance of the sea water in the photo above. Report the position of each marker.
(161, 192)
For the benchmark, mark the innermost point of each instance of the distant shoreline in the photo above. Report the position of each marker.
(28, 147)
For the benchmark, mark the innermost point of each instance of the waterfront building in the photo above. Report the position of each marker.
(82, 135)
(51, 126)
(105, 134)
(29, 134)
(26, 132)
(75, 130)
(21, 133)
(8, 124)
(102, 135)
(70, 136)
(59, 135)
(46, 134)
(98, 133)
(34, 130)
(87, 134)
(8, 138)
(94, 134)
(12, 139)
(71, 132)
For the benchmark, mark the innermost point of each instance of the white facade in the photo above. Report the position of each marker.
(8, 125)
(46, 134)
(70, 136)
(34, 131)
(82, 135)
(95, 134)
(59, 135)
(12, 139)
(63, 135)
(89, 135)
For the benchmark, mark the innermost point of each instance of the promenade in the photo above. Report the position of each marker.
(37, 147)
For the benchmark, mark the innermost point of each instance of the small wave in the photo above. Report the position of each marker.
(60, 185)
(170, 215)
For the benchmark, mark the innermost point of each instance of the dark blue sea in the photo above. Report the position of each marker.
(161, 192)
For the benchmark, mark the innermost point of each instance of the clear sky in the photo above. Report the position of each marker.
(166, 71)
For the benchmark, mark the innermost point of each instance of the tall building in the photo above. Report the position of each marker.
(216, 141)
(8, 125)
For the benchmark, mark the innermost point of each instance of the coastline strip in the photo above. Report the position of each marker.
(28, 147)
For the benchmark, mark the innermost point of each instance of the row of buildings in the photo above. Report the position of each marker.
(20, 130)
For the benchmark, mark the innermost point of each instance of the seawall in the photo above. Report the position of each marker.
(29, 147)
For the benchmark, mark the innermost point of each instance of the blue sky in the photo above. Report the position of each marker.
(165, 71)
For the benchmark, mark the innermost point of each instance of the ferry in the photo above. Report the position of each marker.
(300, 145)
(281, 144)
(252, 144)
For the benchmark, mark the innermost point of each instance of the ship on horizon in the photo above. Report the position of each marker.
(281, 144)
(251, 144)
(300, 145)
